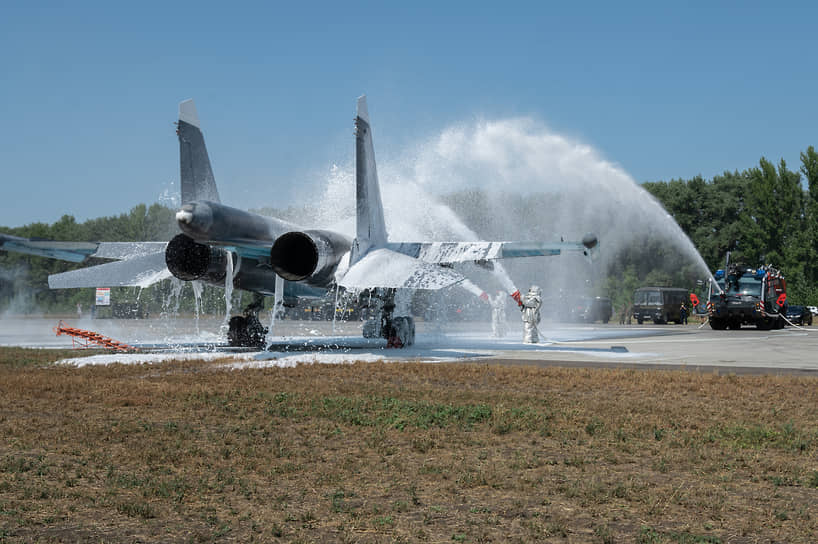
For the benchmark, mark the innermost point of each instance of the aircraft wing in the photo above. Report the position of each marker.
(75, 252)
(390, 269)
(461, 252)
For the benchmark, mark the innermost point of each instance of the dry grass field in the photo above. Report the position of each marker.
(190, 452)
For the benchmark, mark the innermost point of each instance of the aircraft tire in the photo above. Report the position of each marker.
(246, 332)
(370, 329)
(404, 330)
(256, 333)
(411, 335)
(236, 326)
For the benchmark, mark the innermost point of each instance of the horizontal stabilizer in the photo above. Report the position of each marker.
(389, 269)
(137, 272)
(128, 250)
(511, 250)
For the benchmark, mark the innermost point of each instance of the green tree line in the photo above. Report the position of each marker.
(767, 214)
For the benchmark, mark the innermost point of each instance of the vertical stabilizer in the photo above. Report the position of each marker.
(370, 226)
(196, 175)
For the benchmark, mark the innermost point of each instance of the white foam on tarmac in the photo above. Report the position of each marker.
(149, 358)
(290, 361)
(241, 361)
(254, 360)
(314, 347)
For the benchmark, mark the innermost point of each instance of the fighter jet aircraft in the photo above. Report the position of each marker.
(268, 256)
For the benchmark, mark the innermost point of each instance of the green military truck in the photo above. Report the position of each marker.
(659, 304)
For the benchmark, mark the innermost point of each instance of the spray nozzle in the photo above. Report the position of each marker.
(517, 297)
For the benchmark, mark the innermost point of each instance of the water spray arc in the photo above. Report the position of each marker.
(518, 179)
(514, 179)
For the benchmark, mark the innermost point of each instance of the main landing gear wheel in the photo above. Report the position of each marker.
(401, 332)
(246, 331)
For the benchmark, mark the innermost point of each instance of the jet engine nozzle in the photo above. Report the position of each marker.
(189, 260)
(311, 255)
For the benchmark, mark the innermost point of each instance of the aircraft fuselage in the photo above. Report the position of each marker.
(206, 221)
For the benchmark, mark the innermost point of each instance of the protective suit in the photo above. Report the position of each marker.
(498, 314)
(530, 304)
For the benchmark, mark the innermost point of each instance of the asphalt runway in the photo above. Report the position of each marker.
(787, 351)
(747, 351)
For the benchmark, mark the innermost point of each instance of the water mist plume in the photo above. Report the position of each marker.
(512, 179)
(523, 157)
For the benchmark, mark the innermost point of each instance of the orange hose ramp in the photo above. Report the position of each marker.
(82, 339)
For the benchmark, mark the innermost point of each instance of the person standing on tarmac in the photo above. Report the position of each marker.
(498, 314)
(683, 313)
(530, 306)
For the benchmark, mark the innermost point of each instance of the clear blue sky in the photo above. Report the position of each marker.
(89, 90)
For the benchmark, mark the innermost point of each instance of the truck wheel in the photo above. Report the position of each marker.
(718, 324)
(764, 324)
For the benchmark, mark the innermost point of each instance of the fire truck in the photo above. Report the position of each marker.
(747, 296)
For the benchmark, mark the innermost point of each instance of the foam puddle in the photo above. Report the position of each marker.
(291, 351)
(254, 360)
(238, 361)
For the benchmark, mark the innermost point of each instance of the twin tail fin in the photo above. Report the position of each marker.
(196, 176)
